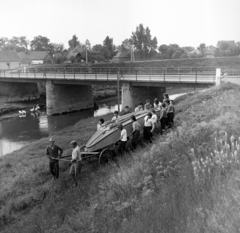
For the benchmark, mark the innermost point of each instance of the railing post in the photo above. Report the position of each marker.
(196, 77)
(74, 72)
(164, 75)
(136, 75)
(129, 71)
(107, 74)
(150, 74)
(64, 72)
(4, 74)
(34, 73)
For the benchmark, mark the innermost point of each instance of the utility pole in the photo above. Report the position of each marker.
(118, 86)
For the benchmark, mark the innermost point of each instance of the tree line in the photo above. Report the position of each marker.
(140, 42)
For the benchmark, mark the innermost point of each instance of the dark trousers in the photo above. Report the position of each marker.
(122, 147)
(135, 137)
(163, 123)
(54, 169)
(170, 119)
(147, 133)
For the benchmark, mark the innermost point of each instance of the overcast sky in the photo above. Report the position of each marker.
(185, 22)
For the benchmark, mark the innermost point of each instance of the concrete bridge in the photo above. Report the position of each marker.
(70, 88)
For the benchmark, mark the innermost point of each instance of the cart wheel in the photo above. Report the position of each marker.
(104, 156)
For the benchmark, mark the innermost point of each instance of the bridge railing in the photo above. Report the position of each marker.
(121, 70)
(112, 73)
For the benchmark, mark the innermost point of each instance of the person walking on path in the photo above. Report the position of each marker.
(75, 163)
(163, 117)
(136, 131)
(53, 151)
(123, 139)
(170, 114)
(148, 128)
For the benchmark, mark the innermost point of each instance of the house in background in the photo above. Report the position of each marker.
(37, 57)
(9, 59)
(121, 56)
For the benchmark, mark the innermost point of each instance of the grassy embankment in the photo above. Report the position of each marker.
(187, 181)
(196, 62)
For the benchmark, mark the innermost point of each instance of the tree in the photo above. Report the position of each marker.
(15, 43)
(202, 48)
(74, 42)
(165, 51)
(188, 48)
(3, 42)
(177, 53)
(41, 43)
(126, 45)
(108, 44)
(143, 41)
(58, 48)
(237, 48)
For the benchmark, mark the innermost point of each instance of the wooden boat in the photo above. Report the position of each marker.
(110, 134)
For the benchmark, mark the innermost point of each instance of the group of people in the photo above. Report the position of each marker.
(152, 123)
(54, 153)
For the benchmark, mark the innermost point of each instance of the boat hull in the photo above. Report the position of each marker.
(104, 138)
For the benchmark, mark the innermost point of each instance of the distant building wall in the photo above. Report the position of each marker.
(37, 61)
(12, 65)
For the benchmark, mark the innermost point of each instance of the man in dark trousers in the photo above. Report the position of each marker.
(53, 151)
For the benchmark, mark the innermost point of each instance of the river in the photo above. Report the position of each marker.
(16, 132)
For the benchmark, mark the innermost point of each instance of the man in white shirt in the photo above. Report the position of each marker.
(75, 162)
(123, 139)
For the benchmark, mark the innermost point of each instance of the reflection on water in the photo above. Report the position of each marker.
(16, 132)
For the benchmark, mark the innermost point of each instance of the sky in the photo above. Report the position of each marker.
(184, 22)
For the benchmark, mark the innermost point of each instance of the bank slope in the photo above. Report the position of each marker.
(187, 181)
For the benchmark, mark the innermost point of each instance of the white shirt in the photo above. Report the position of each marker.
(157, 106)
(100, 127)
(148, 122)
(154, 118)
(115, 118)
(76, 155)
(124, 135)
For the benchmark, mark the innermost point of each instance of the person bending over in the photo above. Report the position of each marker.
(139, 108)
(136, 131)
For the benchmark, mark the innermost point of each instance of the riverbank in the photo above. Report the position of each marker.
(178, 184)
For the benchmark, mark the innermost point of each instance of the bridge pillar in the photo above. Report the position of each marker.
(13, 91)
(133, 95)
(63, 98)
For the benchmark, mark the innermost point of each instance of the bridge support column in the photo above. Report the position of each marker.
(133, 95)
(63, 98)
(13, 91)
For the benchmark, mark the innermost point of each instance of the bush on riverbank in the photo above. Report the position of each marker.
(187, 181)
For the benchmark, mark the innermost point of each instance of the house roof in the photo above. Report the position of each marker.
(122, 54)
(9, 55)
(34, 55)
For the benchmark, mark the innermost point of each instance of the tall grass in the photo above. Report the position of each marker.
(187, 181)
